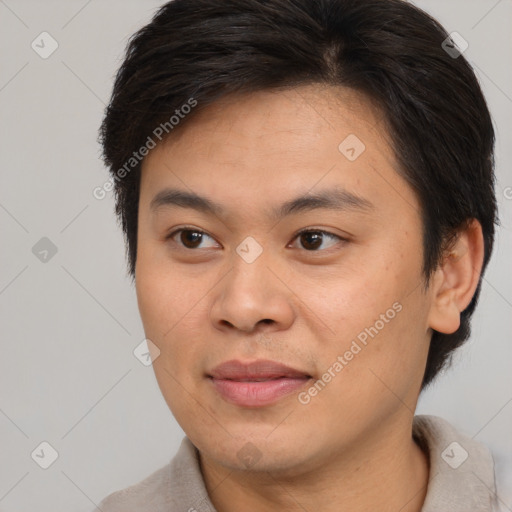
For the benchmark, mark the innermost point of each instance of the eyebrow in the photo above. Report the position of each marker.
(332, 199)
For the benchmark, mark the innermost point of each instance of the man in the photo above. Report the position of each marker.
(306, 191)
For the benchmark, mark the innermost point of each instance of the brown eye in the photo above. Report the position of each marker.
(191, 238)
(311, 240)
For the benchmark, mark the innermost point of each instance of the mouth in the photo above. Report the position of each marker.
(258, 383)
(259, 370)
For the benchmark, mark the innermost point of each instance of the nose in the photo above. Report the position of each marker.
(252, 297)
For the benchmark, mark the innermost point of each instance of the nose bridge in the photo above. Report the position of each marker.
(249, 278)
(250, 293)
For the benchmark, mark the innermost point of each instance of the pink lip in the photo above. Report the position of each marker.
(256, 384)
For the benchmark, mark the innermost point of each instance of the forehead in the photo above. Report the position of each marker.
(251, 148)
(251, 121)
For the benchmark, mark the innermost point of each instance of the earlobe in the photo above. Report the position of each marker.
(456, 279)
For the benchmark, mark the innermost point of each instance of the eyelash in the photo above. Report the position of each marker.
(171, 235)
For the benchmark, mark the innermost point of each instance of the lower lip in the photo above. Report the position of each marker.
(257, 394)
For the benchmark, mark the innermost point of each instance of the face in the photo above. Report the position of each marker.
(302, 249)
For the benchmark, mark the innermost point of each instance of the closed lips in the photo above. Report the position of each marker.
(255, 384)
(255, 371)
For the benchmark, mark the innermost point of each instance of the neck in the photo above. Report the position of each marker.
(386, 472)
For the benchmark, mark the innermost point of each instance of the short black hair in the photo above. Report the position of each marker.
(193, 52)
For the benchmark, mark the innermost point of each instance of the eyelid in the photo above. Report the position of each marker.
(321, 230)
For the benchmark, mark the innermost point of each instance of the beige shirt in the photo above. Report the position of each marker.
(461, 477)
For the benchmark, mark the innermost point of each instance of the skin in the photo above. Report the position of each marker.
(351, 445)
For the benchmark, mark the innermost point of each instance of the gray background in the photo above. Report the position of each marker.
(69, 325)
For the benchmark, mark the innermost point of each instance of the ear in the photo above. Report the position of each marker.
(455, 280)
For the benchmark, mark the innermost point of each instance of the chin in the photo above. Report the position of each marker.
(254, 450)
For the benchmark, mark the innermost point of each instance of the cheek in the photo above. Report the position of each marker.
(379, 332)
(172, 307)
(167, 311)
(164, 295)
(355, 301)
(383, 361)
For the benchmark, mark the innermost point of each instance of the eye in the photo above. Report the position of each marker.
(190, 238)
(314, 239)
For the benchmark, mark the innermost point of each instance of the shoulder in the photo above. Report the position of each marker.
(148, 494)
(168, 489)
(461, 468)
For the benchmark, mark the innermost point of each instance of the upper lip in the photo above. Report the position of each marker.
(260, 369)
